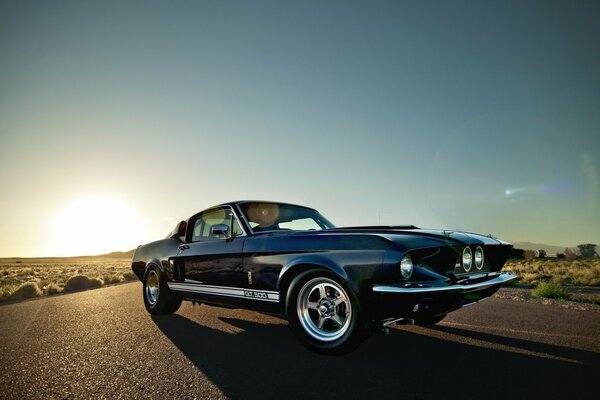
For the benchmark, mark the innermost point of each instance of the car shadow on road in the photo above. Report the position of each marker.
(582, 356)
(265, 361)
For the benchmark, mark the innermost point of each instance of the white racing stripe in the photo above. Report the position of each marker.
(262, 295)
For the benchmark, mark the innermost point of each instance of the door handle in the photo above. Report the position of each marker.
(183, 247)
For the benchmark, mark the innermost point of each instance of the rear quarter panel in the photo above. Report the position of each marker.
(156, 253)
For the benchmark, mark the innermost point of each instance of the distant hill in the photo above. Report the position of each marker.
(550, 250)
(115, 255)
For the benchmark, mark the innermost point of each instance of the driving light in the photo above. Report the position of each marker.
(479, 257)
(467, 259)
(406, 267)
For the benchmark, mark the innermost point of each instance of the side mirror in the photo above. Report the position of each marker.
(219, 229)
(179, 230)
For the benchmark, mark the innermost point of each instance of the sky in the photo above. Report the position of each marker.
(118, 119)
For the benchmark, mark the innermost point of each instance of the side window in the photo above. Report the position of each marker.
(204, 223)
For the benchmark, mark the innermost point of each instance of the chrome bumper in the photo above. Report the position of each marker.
(406, 288)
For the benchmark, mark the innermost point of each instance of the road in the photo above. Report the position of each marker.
(103, 344)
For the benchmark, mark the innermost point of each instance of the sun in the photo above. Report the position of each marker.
(95, 224)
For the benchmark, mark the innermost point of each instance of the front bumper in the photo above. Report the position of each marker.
(436, 298)
(492, 279)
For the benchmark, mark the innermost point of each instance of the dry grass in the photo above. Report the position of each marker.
(550, 291)
(558, 272)
(52, 277)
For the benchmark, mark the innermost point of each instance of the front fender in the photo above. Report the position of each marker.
(304, 263)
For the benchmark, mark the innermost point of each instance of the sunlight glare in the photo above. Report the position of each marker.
(95, 225)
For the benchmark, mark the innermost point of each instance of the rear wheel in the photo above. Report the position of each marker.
(324, 313)
(158, 299)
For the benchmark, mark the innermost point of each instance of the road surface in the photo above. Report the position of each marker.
(102, 344)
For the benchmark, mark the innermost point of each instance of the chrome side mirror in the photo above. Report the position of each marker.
(220, 229)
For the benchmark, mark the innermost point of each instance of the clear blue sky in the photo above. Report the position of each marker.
(481, 116)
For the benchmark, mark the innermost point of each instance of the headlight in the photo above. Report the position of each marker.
(406, 267)
(467, 259)
(479, 257)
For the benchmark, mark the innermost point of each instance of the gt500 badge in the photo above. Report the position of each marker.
(255, 295)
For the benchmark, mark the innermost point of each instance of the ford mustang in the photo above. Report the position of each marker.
(334, 285)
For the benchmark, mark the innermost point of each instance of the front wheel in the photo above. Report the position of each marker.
(158, 299)
(324, 313)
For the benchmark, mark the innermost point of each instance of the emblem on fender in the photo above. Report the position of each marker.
(255, 295)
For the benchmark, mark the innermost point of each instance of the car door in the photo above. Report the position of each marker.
(211, 259)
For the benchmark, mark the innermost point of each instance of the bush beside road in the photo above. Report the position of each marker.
(30, 280)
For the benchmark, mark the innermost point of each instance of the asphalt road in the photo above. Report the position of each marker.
(103, 344)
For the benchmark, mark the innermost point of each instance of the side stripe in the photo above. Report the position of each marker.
(262, 295)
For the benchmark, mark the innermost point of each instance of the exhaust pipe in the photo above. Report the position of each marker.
(400, 321)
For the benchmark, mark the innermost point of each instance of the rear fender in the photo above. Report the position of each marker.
(154, 263)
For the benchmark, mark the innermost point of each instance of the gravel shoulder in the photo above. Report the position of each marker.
(525, 294)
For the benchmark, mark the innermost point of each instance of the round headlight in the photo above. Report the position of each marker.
(406, 267)
(479, 257)
(467, 259)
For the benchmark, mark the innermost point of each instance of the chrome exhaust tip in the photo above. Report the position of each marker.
(384, 325)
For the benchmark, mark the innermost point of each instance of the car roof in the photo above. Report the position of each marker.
(238, 202)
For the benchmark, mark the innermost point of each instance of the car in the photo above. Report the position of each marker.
(333, 285)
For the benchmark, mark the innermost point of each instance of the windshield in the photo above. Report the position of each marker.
(274, 216)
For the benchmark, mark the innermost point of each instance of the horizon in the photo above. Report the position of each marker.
(514, 243)
(117, 121)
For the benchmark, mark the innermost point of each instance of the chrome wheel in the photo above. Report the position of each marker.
(152, 287)
(324, 309)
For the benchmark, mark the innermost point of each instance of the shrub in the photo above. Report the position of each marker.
(570, 254)
(550, 291)
(587, 250)
(42, 283)
(26, 291)
(108, 279)
(5, 291)
(129, 276)
(542, 253)
(81, 282)
(529, 254)
(52, 289)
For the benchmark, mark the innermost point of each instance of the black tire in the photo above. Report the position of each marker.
(329, 327)
(429, 320)
(161, 301)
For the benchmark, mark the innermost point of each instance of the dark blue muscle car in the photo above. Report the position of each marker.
(334, 285)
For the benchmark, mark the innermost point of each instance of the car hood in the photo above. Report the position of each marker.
(403, 233)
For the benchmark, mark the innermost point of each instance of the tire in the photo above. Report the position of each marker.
(324, 313)
(158, 299)
(429, 320)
